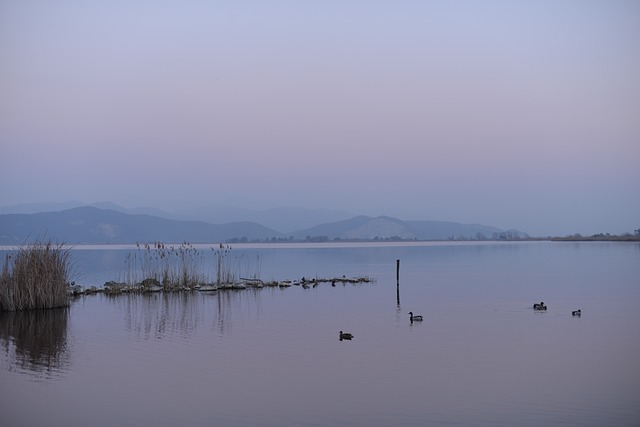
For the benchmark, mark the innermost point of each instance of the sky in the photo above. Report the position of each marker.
(513, 114)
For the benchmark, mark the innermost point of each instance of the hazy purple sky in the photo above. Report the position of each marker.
(515, 114)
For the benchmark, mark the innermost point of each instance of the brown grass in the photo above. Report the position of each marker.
(171, 267)
(35, 277)
(180, 267)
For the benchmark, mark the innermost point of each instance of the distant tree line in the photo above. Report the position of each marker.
(624, 237)
(502, 236)
(479, 236)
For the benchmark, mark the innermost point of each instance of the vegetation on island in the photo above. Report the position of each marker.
(183, 267)
(35, 277)
(156, 267)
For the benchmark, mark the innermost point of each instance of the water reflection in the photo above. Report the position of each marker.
(230, 303)
(180, 314)
(153, 315)
(36, 340)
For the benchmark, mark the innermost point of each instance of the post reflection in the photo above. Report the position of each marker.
(36, 340)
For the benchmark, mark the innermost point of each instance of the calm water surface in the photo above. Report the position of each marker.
(272, 357)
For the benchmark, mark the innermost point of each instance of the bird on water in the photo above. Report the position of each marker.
(577, 312)
(416, 318)
(540, 306)
(345, 336)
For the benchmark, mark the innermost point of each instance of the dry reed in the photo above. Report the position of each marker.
(180, 267)
(35, 277)
(172, 268)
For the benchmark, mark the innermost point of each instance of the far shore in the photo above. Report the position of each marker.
(351, 243)
(596, 239)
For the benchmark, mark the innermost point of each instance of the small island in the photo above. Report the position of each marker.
(37, 276)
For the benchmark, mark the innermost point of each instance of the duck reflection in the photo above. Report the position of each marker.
(36, 340)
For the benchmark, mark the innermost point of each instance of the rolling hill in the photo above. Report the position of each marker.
(92, 225)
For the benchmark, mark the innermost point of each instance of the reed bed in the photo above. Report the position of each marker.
(174, 268)
(170, 267)
(35, 277)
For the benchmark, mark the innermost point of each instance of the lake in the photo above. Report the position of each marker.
(272, 357)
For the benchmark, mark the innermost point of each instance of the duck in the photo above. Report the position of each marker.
(345, 335)
(416, 318)
(577, 312)
(540, 306)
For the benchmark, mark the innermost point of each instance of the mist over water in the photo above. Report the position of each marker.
(272, 357)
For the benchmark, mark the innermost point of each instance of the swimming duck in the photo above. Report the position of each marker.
(416, 318)
(345, 335)
(577, 312)
(540, 306)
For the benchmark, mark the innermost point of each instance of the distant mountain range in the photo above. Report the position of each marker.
(283, 219)
(95, 225)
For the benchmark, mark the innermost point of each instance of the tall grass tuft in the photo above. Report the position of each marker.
(35, 277)
(173, 268)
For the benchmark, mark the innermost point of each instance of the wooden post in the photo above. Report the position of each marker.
(398, 282)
